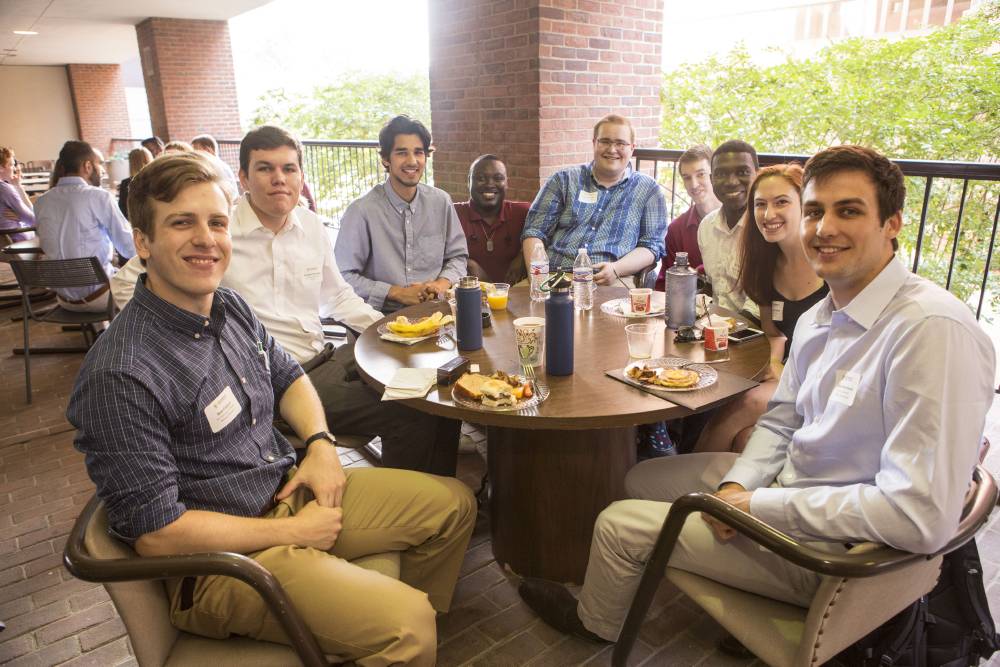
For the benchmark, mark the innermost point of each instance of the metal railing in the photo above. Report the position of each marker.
(954, 239)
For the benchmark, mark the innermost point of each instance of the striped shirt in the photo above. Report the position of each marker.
(174, 412)
(573, 211)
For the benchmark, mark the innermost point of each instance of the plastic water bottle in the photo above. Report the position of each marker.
(539, 272)
(583, 281)
(682, 283)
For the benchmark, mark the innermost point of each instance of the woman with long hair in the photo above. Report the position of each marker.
(137, 159)
(16, 210)
(776, 275)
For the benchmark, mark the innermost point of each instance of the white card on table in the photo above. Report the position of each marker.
(777, 311)
(847, 387)
(222, 410)
(588, 197)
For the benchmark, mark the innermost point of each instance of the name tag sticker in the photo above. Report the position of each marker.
(588, 197)
(777, 311)
(222, 410)
(312, 272)
(847, 387)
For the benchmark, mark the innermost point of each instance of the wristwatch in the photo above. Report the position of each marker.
(322, 435)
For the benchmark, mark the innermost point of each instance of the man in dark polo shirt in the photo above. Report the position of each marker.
(492, 225)
(174, 406)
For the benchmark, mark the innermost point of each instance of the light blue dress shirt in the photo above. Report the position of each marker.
(385, 241)
(874, 429)
(75, 219)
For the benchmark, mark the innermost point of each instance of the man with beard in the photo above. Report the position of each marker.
(492, 225)
(77, 218)
(421, 247)
(734, 166)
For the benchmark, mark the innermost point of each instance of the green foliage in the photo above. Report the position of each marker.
(929, 97)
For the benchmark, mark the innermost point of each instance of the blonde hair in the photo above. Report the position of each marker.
(615, 119)
(162, 180)
(137, 159)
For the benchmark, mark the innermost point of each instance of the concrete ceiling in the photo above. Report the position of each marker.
(93, 31)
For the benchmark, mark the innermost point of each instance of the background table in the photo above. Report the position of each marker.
(552, 471)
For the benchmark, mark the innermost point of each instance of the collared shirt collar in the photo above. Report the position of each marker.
(866, 307)
(246, 219)
(629, 172)
(183, 320)
(72, 180)
(398, 202)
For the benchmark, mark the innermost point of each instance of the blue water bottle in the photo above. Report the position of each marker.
(468, 313)
(559, 327)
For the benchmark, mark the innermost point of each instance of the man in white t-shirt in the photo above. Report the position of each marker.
(720, 235)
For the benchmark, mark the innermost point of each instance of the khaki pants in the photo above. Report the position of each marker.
(626, 531)
(356, 614)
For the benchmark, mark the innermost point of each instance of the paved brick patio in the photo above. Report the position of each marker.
(54, 619)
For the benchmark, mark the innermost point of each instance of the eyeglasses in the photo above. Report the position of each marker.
(608, 143)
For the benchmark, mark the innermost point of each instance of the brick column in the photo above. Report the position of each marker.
(527, 80)
(190, 83)
(99, 104)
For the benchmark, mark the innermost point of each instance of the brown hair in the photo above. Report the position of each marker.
(162, 180)
(5, 154)
(758, 257)
(615, 119)
(137, 159)
(696, 153)
(182, 146)
(267, 138)
(890, 187)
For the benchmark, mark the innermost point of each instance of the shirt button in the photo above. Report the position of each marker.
(206, 323)
(253, 422)
(269, 457)
(243, 380)
(197, 335)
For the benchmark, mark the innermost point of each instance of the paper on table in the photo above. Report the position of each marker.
(410, 383)
(391, 337)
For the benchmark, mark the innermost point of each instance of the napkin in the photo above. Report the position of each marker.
(389, 336)
(410, 383)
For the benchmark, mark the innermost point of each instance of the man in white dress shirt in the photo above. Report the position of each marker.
(872, 434)
(283, 265)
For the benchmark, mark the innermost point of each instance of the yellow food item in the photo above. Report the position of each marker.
(424, 326)
(678, 378)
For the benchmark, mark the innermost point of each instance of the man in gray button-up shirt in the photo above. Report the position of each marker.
(401, 243)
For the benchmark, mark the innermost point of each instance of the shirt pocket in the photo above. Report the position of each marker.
(310, 274)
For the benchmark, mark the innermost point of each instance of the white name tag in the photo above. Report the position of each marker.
(222, 410)
(777, 311)
(587, 197)
(312, 272)
(847, 387)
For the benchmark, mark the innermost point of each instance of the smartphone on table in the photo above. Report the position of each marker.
(743, 336)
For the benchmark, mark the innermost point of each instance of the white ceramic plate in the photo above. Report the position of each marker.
(708, 375)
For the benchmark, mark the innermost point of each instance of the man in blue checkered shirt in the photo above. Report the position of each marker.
(618, 214)
(174, 406)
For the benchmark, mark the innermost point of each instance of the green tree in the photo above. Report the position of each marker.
(356, 107)
(928, 97)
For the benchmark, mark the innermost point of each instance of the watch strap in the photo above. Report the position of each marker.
(322, 435)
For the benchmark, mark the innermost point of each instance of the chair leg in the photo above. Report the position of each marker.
(27, 356)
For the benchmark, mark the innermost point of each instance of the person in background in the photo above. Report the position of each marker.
(206, 143)
(78, 218)
(16, 209)
(154, 145)
(137, 159)
(177, 146)
(695, 167)
(492, 224)
(776, 275)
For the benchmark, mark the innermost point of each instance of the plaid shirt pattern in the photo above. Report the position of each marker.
(611, 222)
(139, 404)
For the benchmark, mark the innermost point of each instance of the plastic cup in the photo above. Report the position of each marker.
(497, 297)
(640, 299)
(640, 340)
(453, 303)
(529, 334)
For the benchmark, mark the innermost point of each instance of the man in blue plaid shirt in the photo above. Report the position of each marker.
(617, 213)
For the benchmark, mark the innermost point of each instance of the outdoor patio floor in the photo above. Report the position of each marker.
(54, 619)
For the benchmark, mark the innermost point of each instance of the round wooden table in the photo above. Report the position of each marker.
(552, 471)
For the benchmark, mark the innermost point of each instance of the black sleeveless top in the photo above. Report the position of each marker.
(792, 312)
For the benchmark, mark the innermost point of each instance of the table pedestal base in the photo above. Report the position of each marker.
(547, 488)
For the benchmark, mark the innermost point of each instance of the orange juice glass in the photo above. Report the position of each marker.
(497, 297)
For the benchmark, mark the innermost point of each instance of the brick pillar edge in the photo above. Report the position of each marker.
(99, 104)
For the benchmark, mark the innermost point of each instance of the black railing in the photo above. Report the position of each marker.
(954, 239)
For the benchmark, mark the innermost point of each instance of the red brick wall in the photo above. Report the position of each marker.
(99, 104)
(190, 82)
(527, 80)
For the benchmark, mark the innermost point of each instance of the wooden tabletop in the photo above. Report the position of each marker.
(585, 400)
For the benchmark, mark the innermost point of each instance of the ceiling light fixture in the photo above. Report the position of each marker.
(25, 32)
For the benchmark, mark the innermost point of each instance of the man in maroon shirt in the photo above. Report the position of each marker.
(491, 224)
(695, 165)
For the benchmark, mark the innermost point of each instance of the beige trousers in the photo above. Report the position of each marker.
(626, 531)
(356, 614)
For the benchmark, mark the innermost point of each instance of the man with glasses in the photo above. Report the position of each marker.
(492, 225)
(618, 214)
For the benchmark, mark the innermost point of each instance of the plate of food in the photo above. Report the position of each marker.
(670, 374)
(412, 330)
(623, 308)
(497, 392)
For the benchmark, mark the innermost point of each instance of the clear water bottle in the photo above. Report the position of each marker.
(682, 284)
(539, 272)
(583, 281)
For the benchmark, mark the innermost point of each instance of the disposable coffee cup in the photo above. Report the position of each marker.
(529, 335)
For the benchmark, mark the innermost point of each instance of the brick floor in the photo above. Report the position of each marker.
(54, 619)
